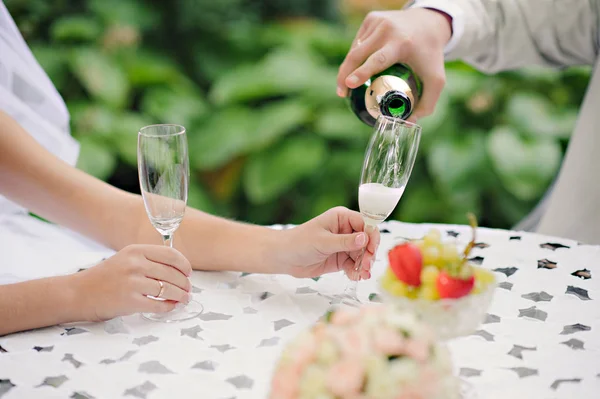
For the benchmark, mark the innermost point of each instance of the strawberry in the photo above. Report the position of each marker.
(406, 261)
(454, 287)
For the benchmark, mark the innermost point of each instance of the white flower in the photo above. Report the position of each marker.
(312, 383)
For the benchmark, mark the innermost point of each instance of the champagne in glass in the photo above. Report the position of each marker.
(388, 163)
(163, 167)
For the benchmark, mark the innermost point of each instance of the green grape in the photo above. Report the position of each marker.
(430, 255)
(429, 292)
(429, 275)
(433, 238)
(449, 254)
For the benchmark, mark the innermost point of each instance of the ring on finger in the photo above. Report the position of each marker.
(162, 288)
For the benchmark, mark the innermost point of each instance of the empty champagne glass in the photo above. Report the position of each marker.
(163, 167)
(387, 166)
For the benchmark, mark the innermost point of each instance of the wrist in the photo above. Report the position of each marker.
(73, 296)
(444, 22)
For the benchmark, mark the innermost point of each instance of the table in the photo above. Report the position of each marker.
(539, 340)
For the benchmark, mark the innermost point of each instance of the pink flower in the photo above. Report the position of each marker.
(285, 383)
(352, 342)
(417, 349)
(306, 351)
(343, 317)
(388, 342)
(346, 378)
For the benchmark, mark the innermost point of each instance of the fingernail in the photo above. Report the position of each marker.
(369, 275)
(361, 239)
(341, 92)
(353, 79)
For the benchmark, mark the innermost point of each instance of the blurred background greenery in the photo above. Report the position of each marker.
(270, 142)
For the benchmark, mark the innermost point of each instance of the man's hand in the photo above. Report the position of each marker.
(416, 37)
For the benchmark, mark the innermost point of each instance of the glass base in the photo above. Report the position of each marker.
(467, 391)
(180, 313)
(347, 298)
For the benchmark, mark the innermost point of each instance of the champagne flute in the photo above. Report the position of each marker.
(388, 163)
(163, 167)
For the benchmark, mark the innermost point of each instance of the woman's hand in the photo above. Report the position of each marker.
(120, 285)
(329, 243)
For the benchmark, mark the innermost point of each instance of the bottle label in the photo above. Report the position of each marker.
(377, 89)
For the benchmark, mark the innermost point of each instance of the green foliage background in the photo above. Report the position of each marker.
(270, 142)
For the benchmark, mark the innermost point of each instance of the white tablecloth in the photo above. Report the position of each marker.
(540, 338)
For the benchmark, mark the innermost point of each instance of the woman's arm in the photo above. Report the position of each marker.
(47, 186)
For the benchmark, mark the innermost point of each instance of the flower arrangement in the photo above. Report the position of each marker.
(371, 353)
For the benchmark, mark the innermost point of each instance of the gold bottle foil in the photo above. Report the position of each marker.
(381, 85)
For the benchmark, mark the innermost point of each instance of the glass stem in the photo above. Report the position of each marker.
(351, 288)
(168, 240)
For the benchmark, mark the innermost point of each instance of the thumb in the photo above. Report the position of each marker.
(346, 242)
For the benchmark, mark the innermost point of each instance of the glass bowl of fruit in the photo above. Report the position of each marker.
(437, 283)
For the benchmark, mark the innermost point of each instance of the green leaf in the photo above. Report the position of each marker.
(131, 12)
(525, 166)
(534, 114)
(198, 198)
(101, 76)
(224, 136)
(457, 163)
(174, 105)
(419, 204)
(75, 28)
(277, 119)
(146, 68)
(283, 71)
(270, 174)
(52, 59)
(91, 119)
(460, 84)
(124, 135)
(96, 159)
(341, 124)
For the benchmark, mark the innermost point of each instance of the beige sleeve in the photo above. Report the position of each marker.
(498, 35)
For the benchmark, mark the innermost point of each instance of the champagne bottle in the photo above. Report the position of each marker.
(393, 92)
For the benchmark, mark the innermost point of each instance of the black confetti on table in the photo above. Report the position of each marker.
(384, 231)
(452, 233)
(192, 332)
(517, 350)
(43, 348)
(509, 271)
(2, 350)
(481, 245)
(144, 340)
(69, 358)
(316, 278)
(279, 324)
(305, 290)
(541, 296)
(116, 326)
(523, 372)
(249, 310)
(553, 246)
(512, 238)
(484, 334)
(74, 331)
(54, 381)
(269, 342)
(557, 383)
(211, 316)
(546, 264)
(578, 292)
(241, 382)
(154, 367)
(196, 290)
(491, 318)
(533, 313)
(574, 343)
(574, 328)
(584, 274)
(506, 285)
(141, 390)
(5, 386)
(469, 372)
(223, 348)
(244, 274)
(477, 260)
(81, 395)
(207, 365)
